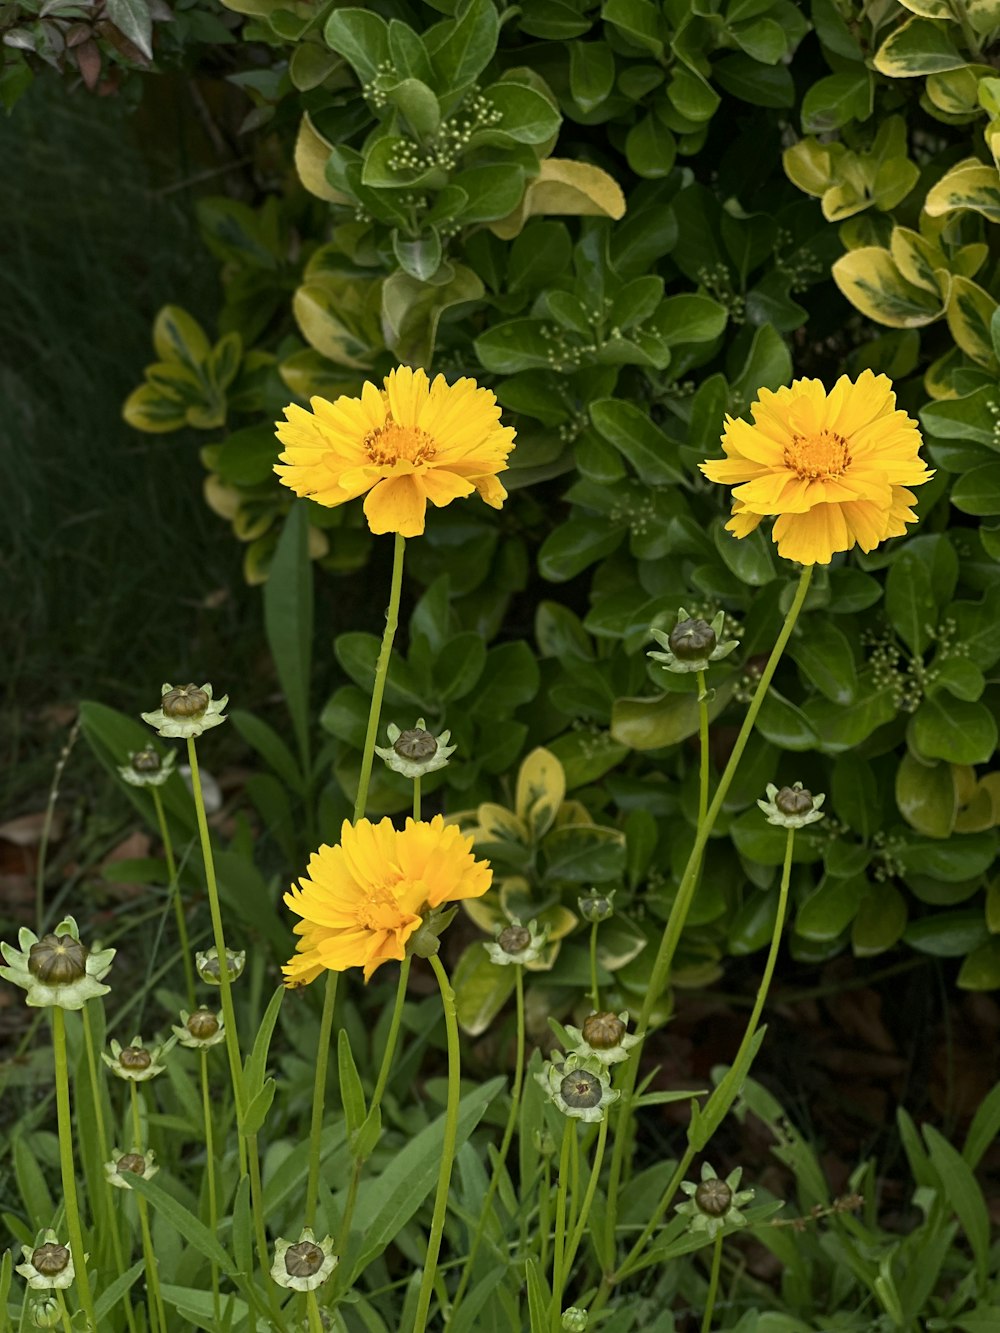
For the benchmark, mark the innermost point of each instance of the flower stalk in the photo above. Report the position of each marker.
(65, 1124)
(448, 1149)
(174, 889)
(678, 913)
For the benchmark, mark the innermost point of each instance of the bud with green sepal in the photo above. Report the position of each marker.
(57, 969)
(49, 1266)
(580, 1088)
(415, 752)
(574, 1320)
(603, 1038)
(200, 1030)
(714, 1204)
(135, 1062)
(124, 1165)
(693, 644)
(515, 943)
(186, 711)
(792, 807)
(595, 907)
(207, 965)
(304, 1265)
(147, 768)
(46, 1313)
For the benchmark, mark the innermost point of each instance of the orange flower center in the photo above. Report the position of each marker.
(379, 910)
(391, 443)
(818, 457)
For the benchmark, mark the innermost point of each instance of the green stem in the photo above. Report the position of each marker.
(257, 1208)
(319, 1095)
(729, 1086)
(448, 1148)
(213, 1198)
(149, 1254)
(679, 911)
(383, 1078)
(315, 1318)
(65, 1119)
(505, 1142)
(416, 799)
(174, 889)
(63, 1312)
(703, 735)
(381, 671)
(595, 994)
(544, 1209)
(558, 1278)
(225, 984)
(581, 1226)
(713, 1285)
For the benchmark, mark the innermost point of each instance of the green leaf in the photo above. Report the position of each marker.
(132, 17)
(651, 724)
(870, 279)
(493, 191)
(179, 337)
(459, 666)
(824, 655)
(111, 1294)
(827, 912)
(836, 100)
(257, 1108)
(526, 114)
(256, 1064)
(926, 796)
(584, 853)
(947, 728)
(978, 492)
(269, 745)
(575, 544)
(984, 1128)
(591, 73)
(768, 366)
(481, 987)
(539, 1298)
(964, 1195)
(970, 313)
(947, 934)
(919, 46)
(352, 1094)
(693, 318)
(361, 37)
(387, 1203)
(411, 310)
(750, 558)
(461, 49)
(650, 452)
(970, 184)
(288, 618)
(880, 921)
(639, 21)
(185, 1223)
(650, 148)
(910, 602)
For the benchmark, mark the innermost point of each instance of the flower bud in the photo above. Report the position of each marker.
(795, 800)
(305, 1265)
(146, 761)
(415, 744)
(791, 807)
(50, 1259)
(208, 968)
(594, 906)
(514, 939)
(202, 1024)
(135, 1057)
(304, 1259)
(184, 702)
(58, 960)
(574, 1320)
(581, 1089)
(46, 1313)
(132, 1163)
(692, 640)
(602, 1031)
(136, 1062)
(714, 1197)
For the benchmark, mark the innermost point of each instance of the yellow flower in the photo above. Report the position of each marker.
(362, 900)
(832, 468)
(408, 443)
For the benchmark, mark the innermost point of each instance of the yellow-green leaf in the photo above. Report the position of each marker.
(179, 337)
(307, 373)
(926, 796)
(572, 188)
(970, 259)
(956, 92)
(150, 410)
(918, 260)
(320, 312)
(970, 184)
(930, 9)
(970, 310)
(312, 152)
(919, 46)
(870, 280)
(809, 165)
(541, 787)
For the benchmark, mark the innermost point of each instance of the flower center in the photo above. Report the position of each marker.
(379, 910)
(818, 457)
(581, 1090)
(392, 443)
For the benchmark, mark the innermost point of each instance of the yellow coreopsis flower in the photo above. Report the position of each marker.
(832, 469)
(404, 444)
(361, 901)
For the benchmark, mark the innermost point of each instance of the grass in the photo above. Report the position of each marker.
(118, 574)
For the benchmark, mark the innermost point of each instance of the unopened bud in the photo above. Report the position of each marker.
(514, 939)
(50, 1259)
(146, 761)
(133, 1163)
(602, 1031)
(415, 744)
(58, 960)
(692, 640)
(794, 800)
(184, 701)
(713, 1197)
(202, 1024)
(134, 1057)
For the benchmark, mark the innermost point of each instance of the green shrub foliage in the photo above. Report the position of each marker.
(626, 218)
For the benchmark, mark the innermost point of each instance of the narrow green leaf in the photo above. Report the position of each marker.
(111, 1294)
(539, 1298)
(352, 1094)
(288, 618)
(966, 1198)
(185, 1223)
